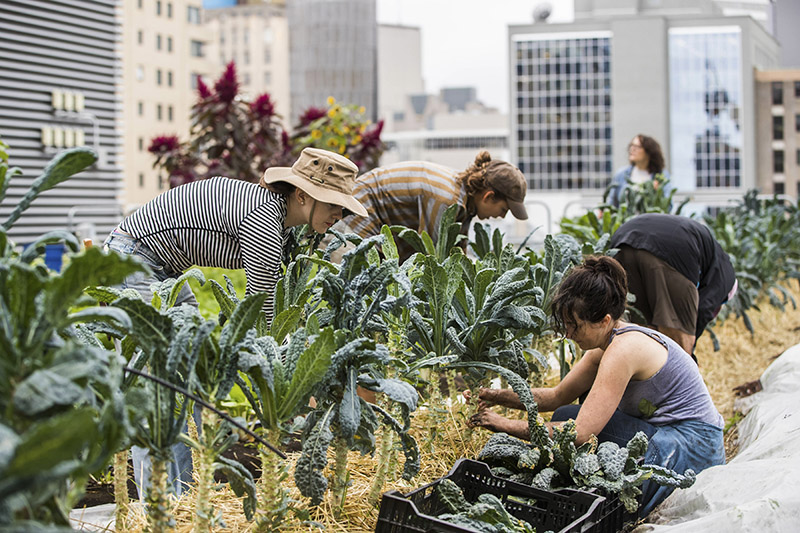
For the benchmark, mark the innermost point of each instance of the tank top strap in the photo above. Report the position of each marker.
(655, 335)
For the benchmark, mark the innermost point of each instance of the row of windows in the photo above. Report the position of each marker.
(566, 48)
(160, 115)
(195, 47)
(161, 181)
(584, 83)
(472, 143)
(563, 182)
(778, 166)
(567, 117)
(599, 150)
(162, 76)
(165, 8)
(779, 187)
(777, 92)
(574, 100)
(593, 67)
(777, 126)
(560, 134)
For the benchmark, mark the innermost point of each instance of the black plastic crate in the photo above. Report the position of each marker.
(564, 511)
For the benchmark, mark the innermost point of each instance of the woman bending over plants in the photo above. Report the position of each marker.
(637, 380)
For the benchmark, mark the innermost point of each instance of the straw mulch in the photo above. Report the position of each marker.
(443, 437)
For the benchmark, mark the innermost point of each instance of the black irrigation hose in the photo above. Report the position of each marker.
(205, 404)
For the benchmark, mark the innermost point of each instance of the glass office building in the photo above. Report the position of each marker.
(561, 104)
(705, 72)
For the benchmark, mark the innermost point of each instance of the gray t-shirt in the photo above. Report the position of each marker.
(675, 393)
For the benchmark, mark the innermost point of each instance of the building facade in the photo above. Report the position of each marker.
(255, 36)
(164, 52)
(59, 74)
(682, 74)
(399, 70)
(778, 128)
(333, 52)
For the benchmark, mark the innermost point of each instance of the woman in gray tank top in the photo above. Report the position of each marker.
(637, 380)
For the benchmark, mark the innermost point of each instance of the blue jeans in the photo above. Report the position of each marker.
(688, 444)
(179, 470)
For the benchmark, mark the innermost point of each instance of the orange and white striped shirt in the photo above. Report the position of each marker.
(414, 194)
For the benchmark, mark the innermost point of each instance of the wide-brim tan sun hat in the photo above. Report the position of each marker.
(324, 175)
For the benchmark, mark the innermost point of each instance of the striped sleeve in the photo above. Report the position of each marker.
(261, 236)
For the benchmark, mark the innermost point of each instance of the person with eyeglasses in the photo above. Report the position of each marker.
(645, 163)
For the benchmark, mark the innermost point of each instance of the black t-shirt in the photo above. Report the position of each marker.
(688, 247)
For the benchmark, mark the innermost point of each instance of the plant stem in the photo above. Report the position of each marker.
(273, 496)
(204, 470)
(340, 476)
(121, 490)
(387, 447)
(158, 517)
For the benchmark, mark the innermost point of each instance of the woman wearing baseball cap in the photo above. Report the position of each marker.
(416, 194)
(229, 223)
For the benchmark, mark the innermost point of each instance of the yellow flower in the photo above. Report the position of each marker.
(331, 100)
(345, 130)
(362, 129)
(332, 112)
(341, 149)
(316, 134)
(356, 139)
(333, 142)
(362, 110)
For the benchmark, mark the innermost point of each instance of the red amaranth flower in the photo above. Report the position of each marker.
(202, 89)
(163, 143)
(263, 107)
(311, 114)
(227, 86)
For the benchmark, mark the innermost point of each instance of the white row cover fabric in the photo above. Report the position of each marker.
(759, 489)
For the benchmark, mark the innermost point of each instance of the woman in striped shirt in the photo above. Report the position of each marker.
(228, 223)
(416, 194)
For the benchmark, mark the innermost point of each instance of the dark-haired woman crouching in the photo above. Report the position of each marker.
(637, 379)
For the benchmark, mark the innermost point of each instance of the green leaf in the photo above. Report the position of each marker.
(59, 169)
(286, 322)
(99, 314)
(313, 460)
(242, 320)
(311, 366)
(349, 415)
(53, 441)
(389, 247)
(43, 390)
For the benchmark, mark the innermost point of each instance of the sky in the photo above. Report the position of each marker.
(465, 42)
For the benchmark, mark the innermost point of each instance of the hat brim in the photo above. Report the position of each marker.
(517, 209)
(274, 174)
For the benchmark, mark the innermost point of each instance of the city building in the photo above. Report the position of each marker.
(255, 36)
(163, 54)
(399, 71)
(60, 70)
(333, 51)
(778, 128)
(678, 71)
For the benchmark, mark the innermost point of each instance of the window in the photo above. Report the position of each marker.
(246, 79)
(247, 57)
(267, 78)
(777, 93)
(778, 187)
(141, 179)
(169, 10)
(797, 122)
(158, 41)
(159, 112)
(193, 80)
(158, 76)
(777, 128)
(140, 108)
(139, 73)
(267, 56)
(158, 7)
(193, 14)
(139, 4)
(798, 157)
(169, 44)
(246, 36)
(169, 78)
(169, 113)
(777, 161)
(141, 144)
(196, 48)
(140, 37)
(797, 89)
